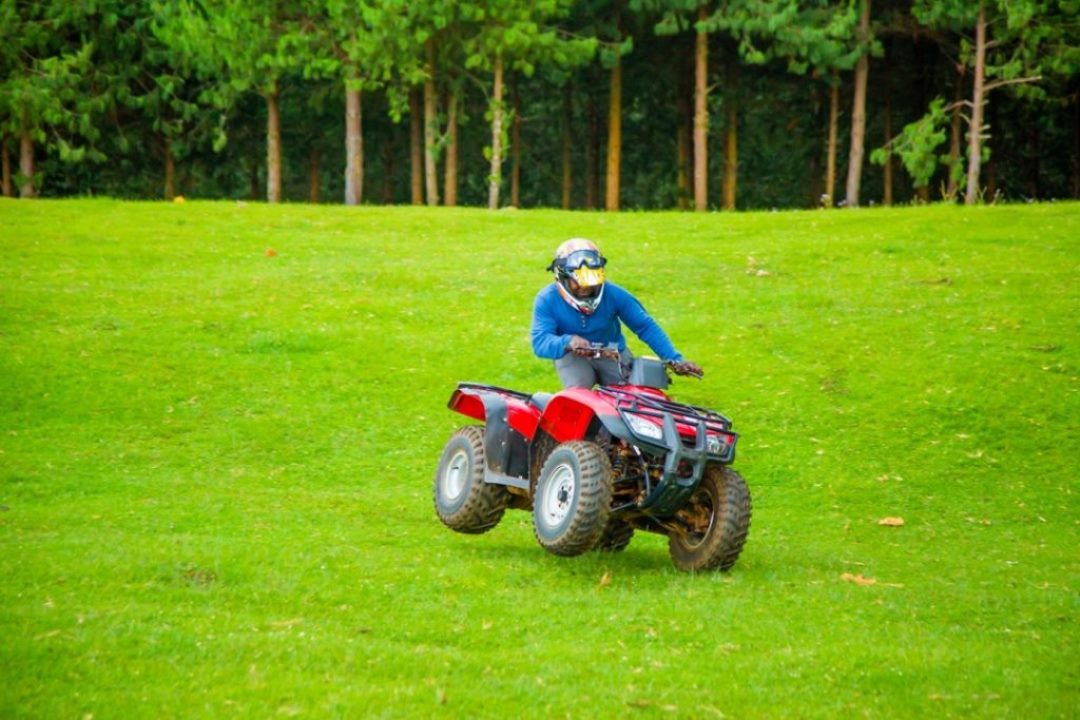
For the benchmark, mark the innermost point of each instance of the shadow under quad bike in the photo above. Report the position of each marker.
(595, 465)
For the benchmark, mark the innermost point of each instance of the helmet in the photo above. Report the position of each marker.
(579, 272)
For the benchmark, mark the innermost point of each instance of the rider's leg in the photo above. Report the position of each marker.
(614, 372)
(575, 371)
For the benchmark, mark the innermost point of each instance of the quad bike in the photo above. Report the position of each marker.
(595, 465)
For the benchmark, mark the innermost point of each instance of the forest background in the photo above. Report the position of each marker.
(589, 104)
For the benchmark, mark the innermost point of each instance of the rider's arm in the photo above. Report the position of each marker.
(546, 340)
(633, 314)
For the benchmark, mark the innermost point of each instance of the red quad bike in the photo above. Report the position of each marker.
(595, 465)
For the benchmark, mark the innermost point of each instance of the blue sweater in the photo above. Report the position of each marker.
(555, 321)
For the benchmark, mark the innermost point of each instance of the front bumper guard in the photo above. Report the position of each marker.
(673, 490)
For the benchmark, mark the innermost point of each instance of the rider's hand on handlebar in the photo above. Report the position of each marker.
(581, 347)
(687, 367)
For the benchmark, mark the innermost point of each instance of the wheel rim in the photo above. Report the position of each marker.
(703, 520)
(456, 475)
(557, 495)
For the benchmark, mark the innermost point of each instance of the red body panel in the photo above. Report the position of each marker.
(521, 415)
(568, 414)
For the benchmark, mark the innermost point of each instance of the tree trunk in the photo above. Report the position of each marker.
(170, 171)
(815, 180)
(683, 153)
(887, 196)
(701, 116)
(887, 168)
(431, 127)
(26, 166)
(388, 155)
(592, 154)
(830, 154)
(314, 176)
(253, 180)
(956, 131)
(1076, 147)
(495, 175)
(614, 149)
(416, 149)
(5, 168)
(273, 146)
(858, 112)
(971, 196)
(567, 146)
(1034, 150)
(989, 170)
(515, 151)
(354, 146)
(450, 180)
(731, 137)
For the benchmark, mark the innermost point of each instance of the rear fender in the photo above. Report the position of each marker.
(509, 426)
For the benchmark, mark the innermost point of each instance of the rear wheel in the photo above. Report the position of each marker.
(717, 521)
(463, 501)
(573, 498)
(616, 536)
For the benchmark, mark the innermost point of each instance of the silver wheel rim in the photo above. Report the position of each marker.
(693, 540)
(455, 476)
(557, 496)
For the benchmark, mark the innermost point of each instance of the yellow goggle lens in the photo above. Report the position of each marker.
(588, 277)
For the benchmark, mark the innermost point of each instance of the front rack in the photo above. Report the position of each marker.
(644, 404)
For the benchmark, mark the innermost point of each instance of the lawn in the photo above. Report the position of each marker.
(219, 424)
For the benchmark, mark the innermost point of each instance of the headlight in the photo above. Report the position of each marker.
(719, 444)
(644, 428)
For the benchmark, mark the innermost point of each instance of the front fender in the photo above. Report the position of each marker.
(571, 414)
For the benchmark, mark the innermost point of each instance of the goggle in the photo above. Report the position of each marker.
(588, 277)
(587, 258)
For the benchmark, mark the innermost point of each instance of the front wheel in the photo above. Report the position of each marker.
(573, 498)
(716, 521)
(463, 501)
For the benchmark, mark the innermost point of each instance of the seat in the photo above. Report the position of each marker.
(541, 399)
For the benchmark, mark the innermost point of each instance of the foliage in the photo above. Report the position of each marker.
(216, 465)
(918, 144)
(47, 60)
(117, 82)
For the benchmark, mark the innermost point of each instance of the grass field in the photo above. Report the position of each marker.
(219, 424)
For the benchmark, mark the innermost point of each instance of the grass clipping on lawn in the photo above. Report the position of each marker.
(219, 424)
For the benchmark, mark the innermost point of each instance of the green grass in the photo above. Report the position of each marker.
(216, 464)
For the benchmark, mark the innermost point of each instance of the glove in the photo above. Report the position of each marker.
(686, 367)
(581, 347)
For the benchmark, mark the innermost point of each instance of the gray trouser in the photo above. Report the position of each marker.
(583, 372)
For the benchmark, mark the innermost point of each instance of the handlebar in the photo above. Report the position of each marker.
(611, 352)
(599, 351)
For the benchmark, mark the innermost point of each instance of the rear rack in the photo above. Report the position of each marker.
(494, 388)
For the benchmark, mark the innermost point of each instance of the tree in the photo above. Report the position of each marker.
(815, 35)
(858, 109)
(46, 66)
(519, 33)
(362, 43)
(439, 30)
(255, 43)
(1012, 43)
(677, 14)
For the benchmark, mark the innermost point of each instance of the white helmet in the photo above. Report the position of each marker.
(579, 272)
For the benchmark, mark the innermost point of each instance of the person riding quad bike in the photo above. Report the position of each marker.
(581, 311)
